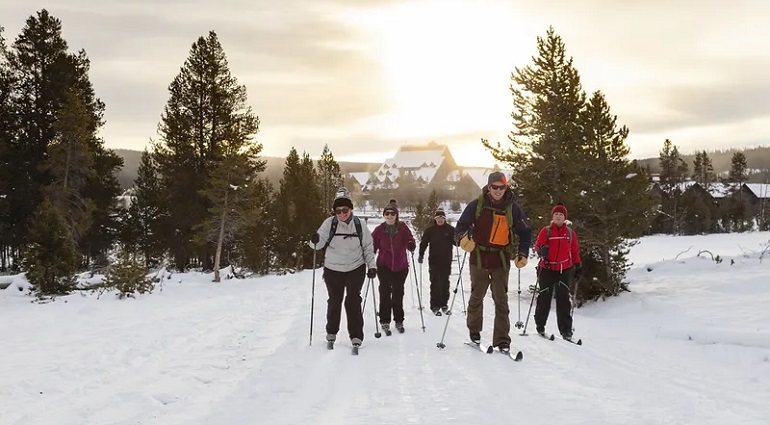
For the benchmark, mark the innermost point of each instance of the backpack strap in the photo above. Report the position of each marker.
(333, 231)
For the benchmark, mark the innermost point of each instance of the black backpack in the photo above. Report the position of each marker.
(333, 231)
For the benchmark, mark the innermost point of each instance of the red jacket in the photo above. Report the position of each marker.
(561, 253)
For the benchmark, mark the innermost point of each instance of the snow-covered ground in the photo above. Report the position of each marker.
(689, 345)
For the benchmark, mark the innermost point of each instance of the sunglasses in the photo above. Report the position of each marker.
(387, 213)
(497, 186)
(343, 210)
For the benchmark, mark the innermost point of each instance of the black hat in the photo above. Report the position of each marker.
(497, 176)
(439, 213)
(342, 199)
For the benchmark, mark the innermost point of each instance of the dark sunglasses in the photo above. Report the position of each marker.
(343, 210)
(387, 213)
(497, 186)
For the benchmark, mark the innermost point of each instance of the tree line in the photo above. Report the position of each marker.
(199, 200)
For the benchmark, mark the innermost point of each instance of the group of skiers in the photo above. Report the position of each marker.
(485, 231)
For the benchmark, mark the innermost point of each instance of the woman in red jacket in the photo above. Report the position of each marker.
(559, 251)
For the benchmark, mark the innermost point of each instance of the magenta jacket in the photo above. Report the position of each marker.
(391, 249)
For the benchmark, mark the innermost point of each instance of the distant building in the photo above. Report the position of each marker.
(425, 167)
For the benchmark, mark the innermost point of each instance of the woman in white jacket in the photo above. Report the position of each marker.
(348, 260)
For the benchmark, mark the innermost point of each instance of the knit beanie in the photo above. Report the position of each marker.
(392, 206)
(439, 213)
(342, 199)
(559, 208)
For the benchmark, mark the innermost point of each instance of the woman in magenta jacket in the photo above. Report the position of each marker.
(391, 241)
(559, 251)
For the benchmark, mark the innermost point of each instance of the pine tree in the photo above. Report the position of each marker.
(738, 211)
(52, 257)
(8, 127)
(673, 171)
(697, 168)
(424, 212)
(128, 277)
(615, 207)
(45, 76)
(256, 246)
(206, 109)
(567, 150)
(230, 190)
(70, 164)
(300, 211)
(329, 177)
(547, 100)
(149, 210)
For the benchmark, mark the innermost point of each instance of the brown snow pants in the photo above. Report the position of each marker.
(481, 280)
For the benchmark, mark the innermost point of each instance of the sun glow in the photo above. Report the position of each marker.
(446, 67)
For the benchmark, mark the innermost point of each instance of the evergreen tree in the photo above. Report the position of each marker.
(230, 190)
(703, 170)
(256, 246)
(70, 164)
(738, 210)
(565, 149)
(329, 177)
(149, 212)
(52, 257)
(8, 127)
(739, 170)
(615, 206)
(44, 79)
(128, 277)
(424, 212)
(697, 167)
(207, 109)
(299, 211)
(547, 100)
(673, 172)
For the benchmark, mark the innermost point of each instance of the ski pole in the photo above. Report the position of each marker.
(377, 333)
(529, 313)
(412, 286)
(312, 297)
(573, 298)
(441, 344)
(460, 272)
(366, 295)
(519, 325)
(419, 300)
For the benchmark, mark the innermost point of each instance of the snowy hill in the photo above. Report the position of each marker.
(689, 345)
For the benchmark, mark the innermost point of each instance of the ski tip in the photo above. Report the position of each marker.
(579, 342)
(552, 337)
(519, 356)
(490, 349)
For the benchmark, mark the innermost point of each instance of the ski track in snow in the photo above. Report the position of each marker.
(198, 354)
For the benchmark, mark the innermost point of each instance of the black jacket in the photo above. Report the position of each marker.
(441, 240)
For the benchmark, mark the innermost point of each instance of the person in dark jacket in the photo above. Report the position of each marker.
(391, 241)
(441, 239)
(559, 251)
(485, 230)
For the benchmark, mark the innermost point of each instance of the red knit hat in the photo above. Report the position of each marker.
(559, 208)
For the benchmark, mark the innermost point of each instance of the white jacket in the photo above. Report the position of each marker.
(346, 253)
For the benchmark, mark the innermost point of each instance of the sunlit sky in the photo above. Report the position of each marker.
(367, 76)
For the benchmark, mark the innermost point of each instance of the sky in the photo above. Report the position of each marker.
(367, 76)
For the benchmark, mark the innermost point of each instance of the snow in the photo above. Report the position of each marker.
(689, 345)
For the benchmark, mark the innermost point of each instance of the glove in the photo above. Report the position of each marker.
(578, 271)
(419, 259)
(372, 273)
(315, 238)
(520, 261)
(411, 246)
(467, 244)
(543, 251)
